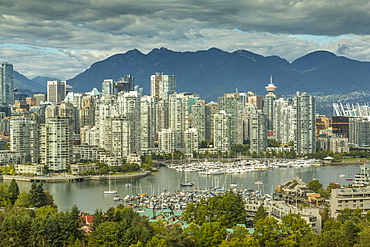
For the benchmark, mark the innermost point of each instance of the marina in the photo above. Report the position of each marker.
(88, 195)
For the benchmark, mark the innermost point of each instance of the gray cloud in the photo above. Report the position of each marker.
(62, 38)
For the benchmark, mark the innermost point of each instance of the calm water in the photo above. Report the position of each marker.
(88, 195)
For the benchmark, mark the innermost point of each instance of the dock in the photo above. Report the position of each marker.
(72, 178)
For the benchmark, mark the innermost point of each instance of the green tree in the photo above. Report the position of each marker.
(15, 230)
(106, 234)
(364, 238)
(23, 200)
(240, 238)
(350, 233)
(267, 232)
(315, 185)
(155, 242)
(260, 214)
(4, 195)
(210, 234)
(349, 214)
(37, 196)
(13, 191)
(228, 209)
(293, 227)
(98, 218)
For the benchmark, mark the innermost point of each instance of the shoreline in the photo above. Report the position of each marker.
(73, 179)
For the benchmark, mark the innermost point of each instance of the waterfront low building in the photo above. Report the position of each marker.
(87, 152)
(133, 158)
(30, 169)
(76, 169)
(278, 209)
(110, 160)
(351, 198)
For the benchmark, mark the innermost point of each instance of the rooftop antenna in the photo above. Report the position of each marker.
(270, 79)
(236, 90)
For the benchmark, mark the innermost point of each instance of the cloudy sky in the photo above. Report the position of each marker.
(62, 38)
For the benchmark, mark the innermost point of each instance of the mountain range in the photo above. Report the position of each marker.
(214, 72)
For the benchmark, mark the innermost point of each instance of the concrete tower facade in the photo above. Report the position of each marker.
(161, 86)
(222, 131)
(234, 104)
(56, 144)
(56, 91)
(305, 138)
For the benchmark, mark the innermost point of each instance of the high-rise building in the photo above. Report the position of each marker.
(39, 97)
(161, 86)
(87, 111)
(235, 105)
(257, 131)
(125, 84)
(359, 131)
(201, 119)
(147, 122)
(254, 99)
(120, 135)
(212, 108)
(56, 91)
(222, 132)
(129, 108)
(20, 136)
(166, 141)
(178, 118)
(191, 142)
(6, 84)
(305, 138)
(279, 120)
(56, 144)
(161, 116)
(107, 87)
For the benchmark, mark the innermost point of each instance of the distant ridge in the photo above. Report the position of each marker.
(214, 72)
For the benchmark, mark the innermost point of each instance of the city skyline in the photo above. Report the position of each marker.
(44, 38)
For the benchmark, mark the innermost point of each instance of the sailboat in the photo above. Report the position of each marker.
(187, 183)
(109, 191)
(348, 177)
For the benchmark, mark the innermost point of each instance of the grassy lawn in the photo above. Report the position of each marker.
(122, 173)
(350, 159)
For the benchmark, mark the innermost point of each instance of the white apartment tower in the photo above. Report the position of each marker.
(178, 118)
(121, 143)
(166, 141)
(56, 144)
(235, 105)
(129, 109)
(257, 131)
(191, 142)
(20, 135)
(279, 119)
(305, 138)
(147, 122)
(222, 132)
